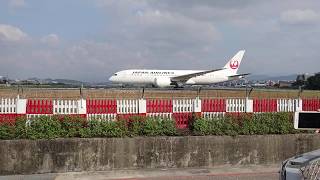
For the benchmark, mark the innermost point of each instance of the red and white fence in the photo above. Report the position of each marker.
(101, 109)
(181, 110)
(310, 104)
(162, 108)
(265, 105)
(211, 108)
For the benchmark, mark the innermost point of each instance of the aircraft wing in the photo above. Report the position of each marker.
(238, 75)
(186, 77)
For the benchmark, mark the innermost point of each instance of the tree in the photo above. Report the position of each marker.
(300, 80)
(313, 82)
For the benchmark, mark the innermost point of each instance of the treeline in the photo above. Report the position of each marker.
(54, 127)
(312, 83)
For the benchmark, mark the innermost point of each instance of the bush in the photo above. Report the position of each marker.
(216, 126)
(71, 126)
(152, 127)
(269, 123)
(113, 128)
(168, 127)
(21, 129)
(159, 127)
(283, 123)
(263, 123)
(93, 129)
(85, 133)
(53, 127)
(136, 126)
(205, 127)
(6, 131)
(97, 128)
(43, 128)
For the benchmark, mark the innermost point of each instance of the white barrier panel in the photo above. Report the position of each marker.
(212, 115)
(102, 117)
(21, 106)
(128, 106)
(236, 105)
(183, 105)
(142, 108)
(299, 108)
(249, 105)
(287, 105)
(8, 106)
(160, 115)
(82, 106)
(197, 105)
(66, 107)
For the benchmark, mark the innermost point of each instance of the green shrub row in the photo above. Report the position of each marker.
(56, 127)
(246, 124)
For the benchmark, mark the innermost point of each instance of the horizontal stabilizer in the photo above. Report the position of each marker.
(238, 75)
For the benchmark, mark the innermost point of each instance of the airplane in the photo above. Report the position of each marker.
(179, 78)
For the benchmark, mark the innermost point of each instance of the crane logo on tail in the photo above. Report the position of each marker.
(234, 64)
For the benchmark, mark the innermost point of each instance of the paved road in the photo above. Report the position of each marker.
(219, 173)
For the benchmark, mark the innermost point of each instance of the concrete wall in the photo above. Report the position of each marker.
(63, 155)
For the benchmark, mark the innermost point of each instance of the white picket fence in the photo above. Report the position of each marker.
(186, 105)
(288, 105)
(183, 105)
(236, 105)
(102, 117)
(160, 115)
(69, 107)
(128, 106)
(212, 115)
(33, 116)
(138, 106)
(8, 106)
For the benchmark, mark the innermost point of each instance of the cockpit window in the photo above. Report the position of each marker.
(115, 74)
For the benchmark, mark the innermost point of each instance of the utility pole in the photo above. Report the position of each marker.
(142, 93)
(198, 92)
(300, 92)
(248, 92)
(81, 95)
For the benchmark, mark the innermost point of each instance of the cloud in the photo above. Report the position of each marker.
(298, 17)
(51, 39)
(174, 29)
(252, 25)
(166, 34)
(11, 33)
(231, 11)
(17, 3)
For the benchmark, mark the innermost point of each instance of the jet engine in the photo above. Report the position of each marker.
(162, 82)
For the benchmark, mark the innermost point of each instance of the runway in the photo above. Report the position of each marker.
(76, 93)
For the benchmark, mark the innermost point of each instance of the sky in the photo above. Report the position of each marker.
(89, 40)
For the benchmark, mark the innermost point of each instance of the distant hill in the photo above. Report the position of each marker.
(69, 82)
(273, 78)
(107, 83)
(57, 81)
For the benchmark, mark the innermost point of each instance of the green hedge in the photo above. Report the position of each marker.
(246, 124)
(55, 127)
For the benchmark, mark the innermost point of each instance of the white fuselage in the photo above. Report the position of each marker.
(150, 77)
(167, 78)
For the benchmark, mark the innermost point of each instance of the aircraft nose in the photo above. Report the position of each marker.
(111, 78)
